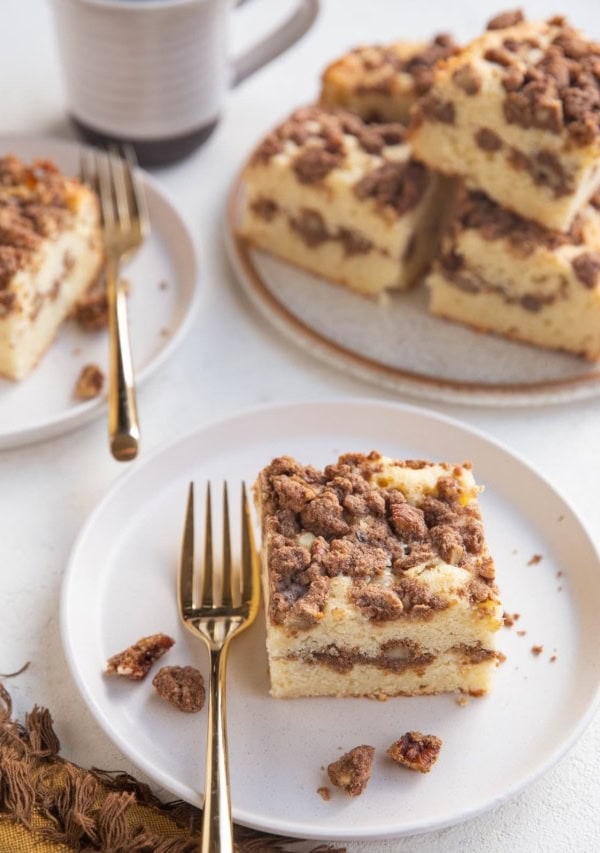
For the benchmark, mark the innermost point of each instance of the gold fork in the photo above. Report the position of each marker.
(125, 225)
(217, 619)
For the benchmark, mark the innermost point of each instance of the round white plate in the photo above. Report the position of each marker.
(120, 585)
(162, 300)
(396, 343)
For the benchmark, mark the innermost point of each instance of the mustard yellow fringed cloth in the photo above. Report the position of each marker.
(49, 805)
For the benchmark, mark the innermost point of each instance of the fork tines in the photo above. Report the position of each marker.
(112, 175)
(237, 591)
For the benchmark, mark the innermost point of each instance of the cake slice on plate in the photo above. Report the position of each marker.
(377, 578)
(343, 200)
(517, 113)
(500, 273)
(383, 82)
(50, 254)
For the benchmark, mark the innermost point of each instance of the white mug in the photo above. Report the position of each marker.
(154, 73)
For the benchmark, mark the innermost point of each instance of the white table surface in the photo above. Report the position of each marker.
(233, 360)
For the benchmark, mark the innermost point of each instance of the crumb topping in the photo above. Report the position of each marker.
(322, 524)
(478, 211)
(416, 751)
(397, 185)
(550, 77)
(36, 202)
(136, 661)
(321, 140)
(379, 65)
(505, 19)
(555, 91)
(319, 135)
(182, 686)
(352, 771)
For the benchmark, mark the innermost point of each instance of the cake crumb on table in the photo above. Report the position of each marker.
(521, 633)
(553, 659)
(136, 661)
(416, 751)
(324, 792)
(90, 382)
(534, 560)
(463, 701)
(537, 650)
(352, 771)
(182, 686)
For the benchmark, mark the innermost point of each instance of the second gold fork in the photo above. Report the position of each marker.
(125, 224)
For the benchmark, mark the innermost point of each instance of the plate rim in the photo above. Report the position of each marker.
(86, 411)
(269, 825)
(425, 387)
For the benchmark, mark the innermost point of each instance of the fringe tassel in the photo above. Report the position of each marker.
(91, 810)
(42, 738)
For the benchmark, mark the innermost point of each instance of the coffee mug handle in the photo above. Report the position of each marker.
(275, 42)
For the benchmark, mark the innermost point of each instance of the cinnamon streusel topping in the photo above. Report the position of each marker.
(322, 524)
(36, 202)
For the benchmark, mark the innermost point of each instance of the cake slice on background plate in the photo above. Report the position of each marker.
(500, 273)
(343, 200)
(382, 82)
(377, 578)
(517, 113)
(50, 254)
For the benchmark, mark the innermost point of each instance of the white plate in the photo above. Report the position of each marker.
(120, 585)
(43, 405)
(397, 343)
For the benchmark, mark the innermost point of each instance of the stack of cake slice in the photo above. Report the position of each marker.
(516, 114)
(501, 155)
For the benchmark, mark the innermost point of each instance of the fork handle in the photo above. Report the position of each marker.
(217, 828)
(123, 425)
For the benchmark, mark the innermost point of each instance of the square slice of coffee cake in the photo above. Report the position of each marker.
(517, 113)
(343, 200)
(504, 274)
(377, 578)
